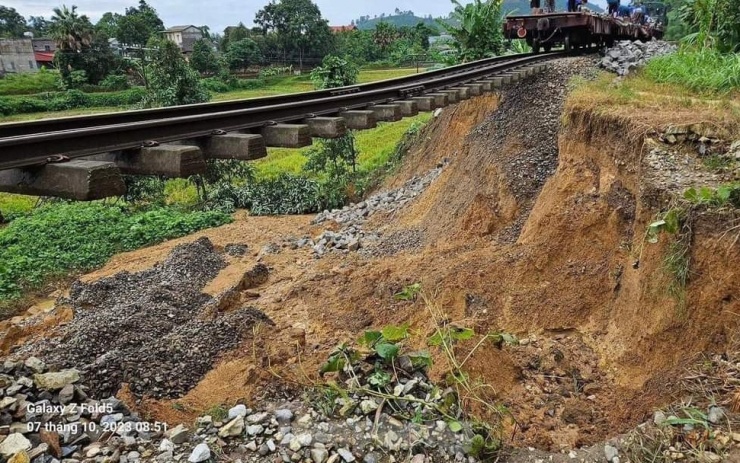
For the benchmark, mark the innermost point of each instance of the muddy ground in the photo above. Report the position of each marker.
(533, 228)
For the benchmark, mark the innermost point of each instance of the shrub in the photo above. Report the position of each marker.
(70, 99)
(216, 85)
(115, 82)
(282, 195)
(60, 238)
(699, 70)
(27, 84)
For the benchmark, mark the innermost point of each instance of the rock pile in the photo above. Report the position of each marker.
(626, 55)
(146, 328)
(49, 417)
(351, 236)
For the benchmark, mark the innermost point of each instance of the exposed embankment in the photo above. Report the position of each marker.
(536, 225)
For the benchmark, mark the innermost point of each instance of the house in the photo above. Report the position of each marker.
(338, 29)
(17, 56)
(184, 36)
(43, 51)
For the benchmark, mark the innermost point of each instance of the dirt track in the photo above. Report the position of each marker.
(516, 235)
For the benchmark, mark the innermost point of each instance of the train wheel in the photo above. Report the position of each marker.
(547, 47)
(536, 46)
(567, 43)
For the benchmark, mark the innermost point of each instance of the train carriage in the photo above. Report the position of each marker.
(576, 30)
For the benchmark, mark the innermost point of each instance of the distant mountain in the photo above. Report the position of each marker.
(399, 20)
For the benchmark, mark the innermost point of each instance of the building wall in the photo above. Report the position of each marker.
(16, 56)
(44, 45)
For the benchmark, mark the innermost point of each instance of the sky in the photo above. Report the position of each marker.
(217, 14)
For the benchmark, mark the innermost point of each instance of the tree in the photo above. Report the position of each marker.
(334, 72)
(108, 24)
(204, 59)
(243, 53)
(12, 24)
(476, 29)
(171, 80)
(234, 34)
(138, 25)
(712, 23)
(38, 25)
(70, 31)
(298, 25)
(80, 49)
(384, 35)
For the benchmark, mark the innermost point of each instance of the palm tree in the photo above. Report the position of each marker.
(69, 30)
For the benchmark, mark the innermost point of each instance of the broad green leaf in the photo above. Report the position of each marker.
(436, 339)
(395, 333)
(723, 193)
(454, 426)
(369, 338)
(334, 364)
(386, 350)
(421, 359)
(461, 334)
(673, 221)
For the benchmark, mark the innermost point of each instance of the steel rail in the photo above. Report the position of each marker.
(77, 122)
(37, 148)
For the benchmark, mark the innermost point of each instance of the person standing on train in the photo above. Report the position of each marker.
(613, 6)
(623, 11)
(572, 7)
(535, 5)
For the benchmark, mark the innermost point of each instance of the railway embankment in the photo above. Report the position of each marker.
(556, 284)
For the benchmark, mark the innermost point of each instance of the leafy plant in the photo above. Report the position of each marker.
(62, 238)
(408, 293)
(476, 29)
(334, 72)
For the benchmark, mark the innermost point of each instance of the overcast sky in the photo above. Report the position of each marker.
(219, 14)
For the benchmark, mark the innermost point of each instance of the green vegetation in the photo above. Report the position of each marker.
(26, 84)
(71, 99)
(60, 238)
(677, 224)
(334, 72)
(12, 205)
(477, 29)
(702, 71)
(171, 80)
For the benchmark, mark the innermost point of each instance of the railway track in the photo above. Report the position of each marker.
(26, 148)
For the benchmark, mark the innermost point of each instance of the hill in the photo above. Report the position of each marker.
(407, 19)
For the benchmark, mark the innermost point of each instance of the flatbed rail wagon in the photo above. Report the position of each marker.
(576, 30)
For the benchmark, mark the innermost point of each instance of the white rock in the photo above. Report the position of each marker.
(610, 452)
(233, 428)
(319, 455)
(255, 429)
(346, 455)
(257, 418)
(166, 446)
(55, 381)
(368, 406)
(13, 444)
(237, 410)
(35, 364)
(304, 439)
(201, 452)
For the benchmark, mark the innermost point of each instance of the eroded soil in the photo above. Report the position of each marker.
(532, 229)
